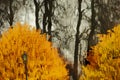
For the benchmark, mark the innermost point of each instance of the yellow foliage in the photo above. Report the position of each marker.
(106, 58)
(43, 63)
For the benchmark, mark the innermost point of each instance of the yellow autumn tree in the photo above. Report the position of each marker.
(104, 58)
(43, 61)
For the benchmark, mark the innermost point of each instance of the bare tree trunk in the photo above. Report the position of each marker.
(93, 24)
(11, 15)
(77, 41)
(49, 18)
(49, 28)
(37, 14)
(45, 16)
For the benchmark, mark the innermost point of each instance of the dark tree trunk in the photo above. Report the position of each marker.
(49, 18)
(11, 15)
(45, 16)
(49, 28)
(90, 39)
(77, 41)
(37, 14)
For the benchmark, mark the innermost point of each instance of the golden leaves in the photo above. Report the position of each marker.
(44, 62)
(106, 55)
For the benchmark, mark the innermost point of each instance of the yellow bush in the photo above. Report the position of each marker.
(43, 63)
(104, 58)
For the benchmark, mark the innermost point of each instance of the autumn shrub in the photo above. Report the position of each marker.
(43, 61)
(104, 58)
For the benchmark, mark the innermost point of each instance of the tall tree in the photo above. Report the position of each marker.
(47, 16)
(37, 9)
(107, 13)
(9, 9)
(11, 14)
(50, 17)
(93, 24)
(77, 41)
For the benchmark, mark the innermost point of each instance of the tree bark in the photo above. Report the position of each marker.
(11, 15)
(90, 39)
(37, 14)
(50, 18)
(77, 41)
(45, 16)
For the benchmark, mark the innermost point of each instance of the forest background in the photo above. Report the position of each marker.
(71, 24)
